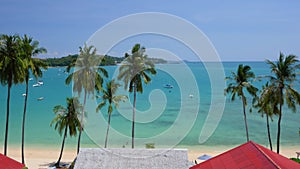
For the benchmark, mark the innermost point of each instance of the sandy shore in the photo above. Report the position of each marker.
(41, 158)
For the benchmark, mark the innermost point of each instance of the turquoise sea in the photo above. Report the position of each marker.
(166, 116)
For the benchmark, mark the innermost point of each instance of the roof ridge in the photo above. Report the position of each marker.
(261, 151)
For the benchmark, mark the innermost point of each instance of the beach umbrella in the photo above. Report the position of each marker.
(6, 162)
(204, 157)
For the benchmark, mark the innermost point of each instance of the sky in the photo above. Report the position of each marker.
(239, 30)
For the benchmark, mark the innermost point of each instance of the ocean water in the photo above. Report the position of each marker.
(165, 116)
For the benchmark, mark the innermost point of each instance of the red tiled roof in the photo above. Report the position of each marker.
(248, 156)
(8, 163)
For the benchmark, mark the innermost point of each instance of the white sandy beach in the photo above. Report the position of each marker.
(41, 158)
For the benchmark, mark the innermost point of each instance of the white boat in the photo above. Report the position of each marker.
(36, 85)
(168, 86)
(40, 98)
(40, 82)
(30, 78)
(24, 94)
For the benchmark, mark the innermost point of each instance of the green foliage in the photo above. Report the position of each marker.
(28, 49)
(158, 61)
(240, 81)
(12, 70)
(110, 60)
(109, 96)
(150, 145)
(67, 117)
(284, 72)
(67, 60)
(106, 60)
(87, 77)
(63, 61)
(135, 71)
(296, 160)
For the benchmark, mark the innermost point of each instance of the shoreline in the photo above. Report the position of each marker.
(42, 157)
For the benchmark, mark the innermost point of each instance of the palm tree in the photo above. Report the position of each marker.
(284, 70)
(12, 71)
(109, 95)
(30, 48)
(133, 72)
(66, 118)
(86, 76)
(267, 105)
(241, 80)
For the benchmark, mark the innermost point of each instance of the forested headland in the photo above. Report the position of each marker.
(107, 60)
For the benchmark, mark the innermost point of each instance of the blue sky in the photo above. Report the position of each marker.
(240, 30)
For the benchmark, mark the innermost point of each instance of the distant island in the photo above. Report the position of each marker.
(107, 60)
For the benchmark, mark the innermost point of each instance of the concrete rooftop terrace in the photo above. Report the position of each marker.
(123, 158)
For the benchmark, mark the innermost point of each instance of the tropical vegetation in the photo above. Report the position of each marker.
(266, 104)
(109, 96)
(28, 49)
(86, 76)
(12, 71)
(67, 60)
(66, 120)
(18, 64)
(284, 73)
(134, 70)
(240, 81)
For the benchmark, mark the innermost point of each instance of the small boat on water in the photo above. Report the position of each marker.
(24, 94)
(40, 98)
(36, 85)
(30, 78)
(168, 86)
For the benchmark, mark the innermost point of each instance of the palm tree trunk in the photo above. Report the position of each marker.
(23, 123)
(7, 117)
(81, 123)
(62, 147)
(279, 121)
(278, 130)
(133, 115)
(269, 134)
(108, 125)
(245, 117)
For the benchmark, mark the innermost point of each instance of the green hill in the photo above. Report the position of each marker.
(65, 61)
(107, 60)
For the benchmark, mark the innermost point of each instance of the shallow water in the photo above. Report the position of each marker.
(166, 116)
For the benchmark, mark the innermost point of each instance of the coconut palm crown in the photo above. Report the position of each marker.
(109, 97)
(134, 72)
(87, 76)
(30, 48)
(239, 81)
(66, 119)
(12, 71)
(284, 72)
